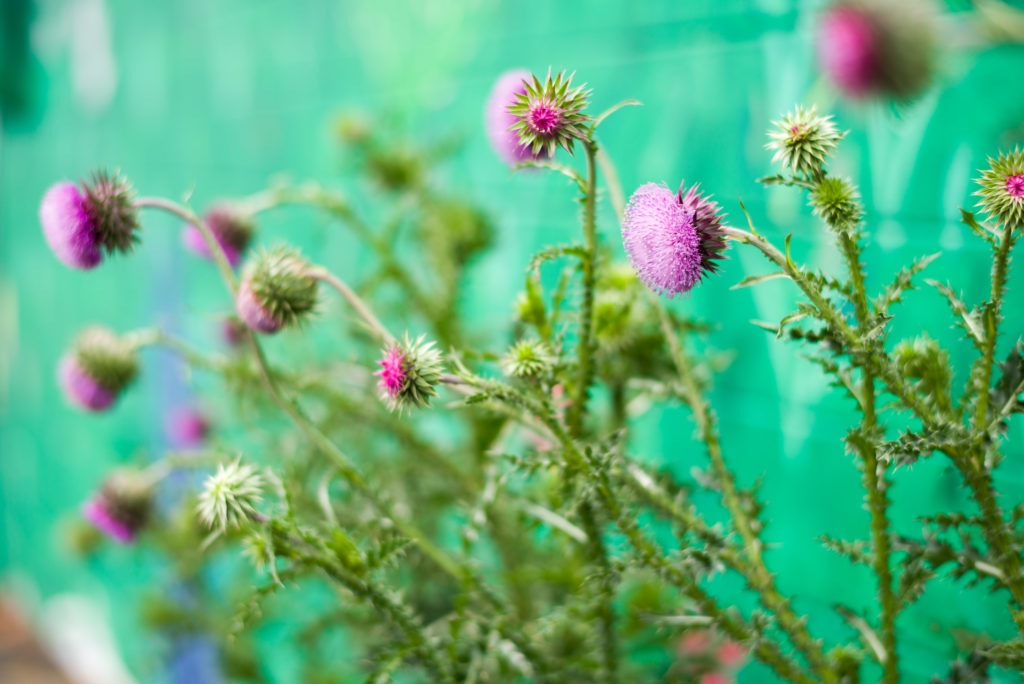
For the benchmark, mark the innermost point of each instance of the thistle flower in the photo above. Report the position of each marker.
(409, 372)
(276, 291)
(836, 202)
(803, 141)
(528, 359)
(550, 114)
(122, 505)
(498, 120)
(81, 223)
(230, 496)
(232, 229)
(186, 427)
(1002, 189)
(672, 239)
(867, 46)
(98, 368)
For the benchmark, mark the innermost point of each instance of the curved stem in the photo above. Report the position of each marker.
(355, 301)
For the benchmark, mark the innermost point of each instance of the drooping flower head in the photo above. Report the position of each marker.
(122, 505)
(276, 291)
(232, 229)
(1002, 189)
(499, 121)
(409, 373)
(230, 496)
(877, 46)
(98, 368)
(803, 141)
(528, 359)
(672, 238)
(186, 427)
(80, 223)
(550, 114)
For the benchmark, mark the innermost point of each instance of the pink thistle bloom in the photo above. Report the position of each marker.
(82, 388)
(499, 121)
(730, 654)
(252, 311)
(186, 427)
(393, 374)
(1015, 185)
(97, 511)
(68, 227)
(848, 49)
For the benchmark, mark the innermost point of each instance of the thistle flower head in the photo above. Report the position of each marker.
(803, 141)
(409, 373)
(848, 48)
(528, 359)
(97, 369)
(1002, 189)
(80, 223)
(122, 505)
(498, 120)
(230, 496)
(672, 239)
(186, 427)
(836, 202)
(550, 114)
(232, 229)
(276, 291)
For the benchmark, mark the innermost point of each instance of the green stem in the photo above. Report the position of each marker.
(585, 349)
(999, 267)
(356, 302)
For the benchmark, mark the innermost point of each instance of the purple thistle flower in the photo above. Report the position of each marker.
(499, 121)
(672, 239)
(95, 511)
(392, 373)
(252, 312)
(121, 507)
(81, 388)
(232, 231)
(68, 229)
(99, 367)
(186, 427)
(848, 49)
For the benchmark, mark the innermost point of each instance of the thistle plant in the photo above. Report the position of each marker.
(479, 505)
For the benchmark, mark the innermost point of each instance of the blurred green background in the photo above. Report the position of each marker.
(216, 97)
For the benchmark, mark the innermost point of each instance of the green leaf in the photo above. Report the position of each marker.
(914, 445)
(1004, 397)
(969, 320)
(614, 108)
(984, 232)
(789, 260)
(755, 279)
(556, 252)
(903, 282)
(567, 171)
(867, 634)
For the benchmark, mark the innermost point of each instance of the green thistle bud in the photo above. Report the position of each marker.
(230, 496)
(528, 359)
(276, 291)
(550, 114)
(1002, 189)
(410, 371)
(803, 141)
(836, 202)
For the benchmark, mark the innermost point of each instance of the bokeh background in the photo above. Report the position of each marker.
(215, 98)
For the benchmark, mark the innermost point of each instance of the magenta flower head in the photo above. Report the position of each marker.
(98, 368)
(499, 120)
(80, 223)
(672, 238)
(122, 506)
(232, 229)
(276, 291)
(409, 373)
(186, 427)
(877, 46)
(550, 114)
(1002, 189)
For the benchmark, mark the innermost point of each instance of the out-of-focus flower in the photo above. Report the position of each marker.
(97, 369)
(528, 359)
(122, 506)
(232, 229)
(1002, 189)
(80, 223)
(803, 141)
(409, 373)
(230, 496)
(186, 427)
(498, 120)
(550, 114)
(730, 654)
(672, 239)
(276, 291)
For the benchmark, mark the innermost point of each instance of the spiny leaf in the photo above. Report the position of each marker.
(902, 282)
(1004, 397)
(614, 108)
(555, 252)
(755, 279)
(913, 445)
(969, 320)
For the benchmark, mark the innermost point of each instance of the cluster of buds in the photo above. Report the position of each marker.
(121, 508)
(230, 496)
(231, 228)
(276, 291)
(98, 369)
(82, 222)
(410, 371)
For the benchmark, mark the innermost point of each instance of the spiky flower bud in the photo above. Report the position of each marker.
(230, 496)
(499, 121)
(232, 229)
(877, 46)
(98, 368)
(803, 141)
(528, 359)
(122, 506)
(550, 114)
(672, 239)
(836, 202)
(81, 223)
(1002, 189)
(409, 373)
(276, 291)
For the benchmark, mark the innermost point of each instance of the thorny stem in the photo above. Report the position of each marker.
(356, 302)
(760, 577)
(999, 266)
(585, 350)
